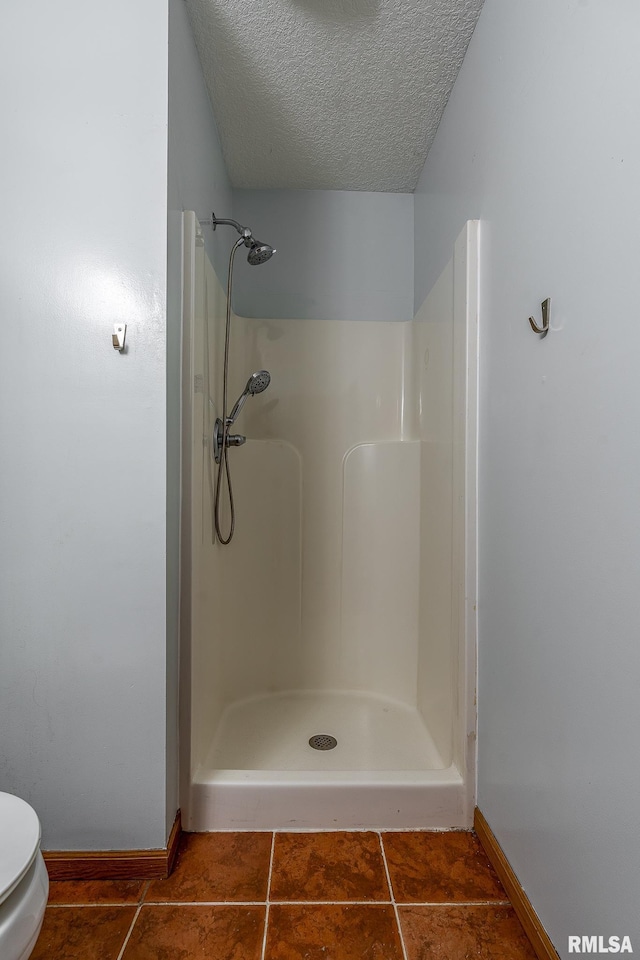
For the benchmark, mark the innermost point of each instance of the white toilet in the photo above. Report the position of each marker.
(24, 883)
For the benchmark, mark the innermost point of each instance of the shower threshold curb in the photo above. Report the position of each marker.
(330, 800)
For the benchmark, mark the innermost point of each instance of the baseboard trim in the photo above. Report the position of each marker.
(115, 864)
(521, 904)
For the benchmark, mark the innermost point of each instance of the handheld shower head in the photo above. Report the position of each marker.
(256, 383)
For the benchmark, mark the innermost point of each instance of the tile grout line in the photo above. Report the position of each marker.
(459, 903)
(126, 939)
(205, 903)
(91, 903)
(266, 912)
(283, 903)
(391, 894)
(107, 903)
(331, 903)
(143, 894)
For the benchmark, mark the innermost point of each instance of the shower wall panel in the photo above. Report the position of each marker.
(336, 386)
(433, 373)
(204, 298)
(345, 570)
(381, 568)
(260, 573)
(445, 359)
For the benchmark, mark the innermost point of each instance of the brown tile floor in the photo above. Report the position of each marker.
(289, 896)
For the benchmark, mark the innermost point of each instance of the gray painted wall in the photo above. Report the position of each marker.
(342, 255)
(197, 175)
(82, 428)
(540, 140)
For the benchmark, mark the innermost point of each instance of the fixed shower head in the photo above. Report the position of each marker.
(256, 383)
(259, 252)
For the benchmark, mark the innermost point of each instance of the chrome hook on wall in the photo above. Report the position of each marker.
(546, 312)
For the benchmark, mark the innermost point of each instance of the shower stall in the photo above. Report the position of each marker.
(328, 650)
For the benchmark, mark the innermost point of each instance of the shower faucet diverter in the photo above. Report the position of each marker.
(256, 383)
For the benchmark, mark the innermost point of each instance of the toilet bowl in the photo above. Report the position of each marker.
(24, 883)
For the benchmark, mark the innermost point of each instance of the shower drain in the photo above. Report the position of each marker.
(322, 741)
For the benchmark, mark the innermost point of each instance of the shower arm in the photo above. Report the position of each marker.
(244, 232)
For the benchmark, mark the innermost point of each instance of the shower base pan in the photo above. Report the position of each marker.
(385, 772)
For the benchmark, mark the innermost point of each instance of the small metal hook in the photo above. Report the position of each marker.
(546, 311)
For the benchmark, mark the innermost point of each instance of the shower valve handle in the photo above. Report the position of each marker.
(231, 440)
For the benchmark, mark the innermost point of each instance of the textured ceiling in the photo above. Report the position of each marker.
(330, 94)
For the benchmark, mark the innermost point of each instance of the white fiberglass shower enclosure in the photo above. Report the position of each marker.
(345, 603)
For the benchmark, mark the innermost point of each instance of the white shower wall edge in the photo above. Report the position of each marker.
(442, 795)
